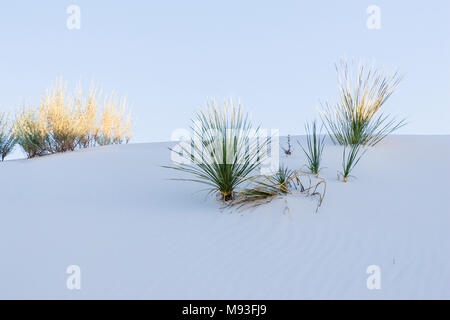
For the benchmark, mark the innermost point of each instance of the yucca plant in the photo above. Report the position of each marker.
(263, 189)
(350, 159)
(357, 117)
(7, 138)
(314, 147)
(224, 149)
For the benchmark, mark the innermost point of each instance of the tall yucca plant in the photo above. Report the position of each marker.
(314, 147)
(7, 138)
(357, 116)
(223, 150)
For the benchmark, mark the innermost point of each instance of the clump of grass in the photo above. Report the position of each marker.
(224, 149)
(63, 120)
(263, 189)
(115, 126)
(350, 159)
(357, 117)
(7, 138)
(66, 122)
(314, 147)
(30, 130)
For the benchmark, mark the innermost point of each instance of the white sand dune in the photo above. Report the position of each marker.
(135, 234)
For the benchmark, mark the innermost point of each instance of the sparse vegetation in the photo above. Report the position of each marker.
(66, 122)
(263, 189)
(314, 147)
(7, 138)
(224, 149)
(357, 117)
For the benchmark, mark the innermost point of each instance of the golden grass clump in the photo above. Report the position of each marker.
(63, 120)
(66, 122)
(115, 126)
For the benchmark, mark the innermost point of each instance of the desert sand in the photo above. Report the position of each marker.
(137, 235)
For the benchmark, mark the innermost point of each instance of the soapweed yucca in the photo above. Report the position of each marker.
(314, 147)
(7, 138)
(224, 149)
(357, 118)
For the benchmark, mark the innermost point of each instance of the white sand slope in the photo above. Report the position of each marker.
(135, 234)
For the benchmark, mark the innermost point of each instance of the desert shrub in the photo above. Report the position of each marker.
(88, 112)
(350, 159)
(7, 138)
(357, 117)
(314, 147)
(224, 149)
(30, 130)
(115, 127)
(263, 189)
(63, 120)
(66, 122)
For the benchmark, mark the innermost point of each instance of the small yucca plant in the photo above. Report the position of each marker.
(357, 117)
(314, 147)
(350, 159)
(224, 149)
(7, 138)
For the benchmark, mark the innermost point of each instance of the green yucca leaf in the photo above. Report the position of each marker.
(314, 147)
(350, 159)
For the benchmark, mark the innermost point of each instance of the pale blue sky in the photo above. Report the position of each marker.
(278, 57)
